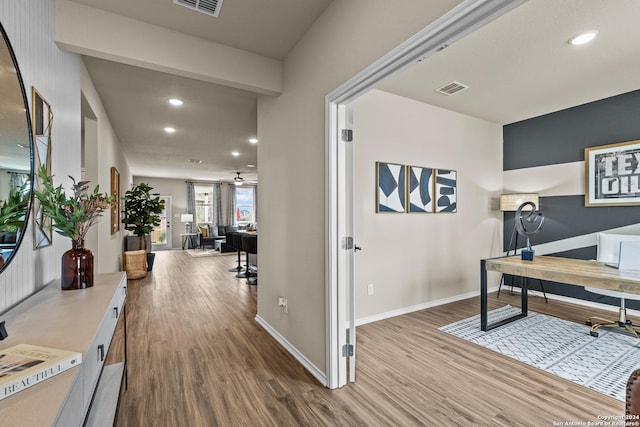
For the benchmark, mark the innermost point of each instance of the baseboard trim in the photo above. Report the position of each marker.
(418, 307)
(306, 363)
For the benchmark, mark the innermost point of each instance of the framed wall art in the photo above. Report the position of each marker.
(612, 174)
(419, 189)
(42, 123)
(390, 187)
(445, 190)
(115, 208)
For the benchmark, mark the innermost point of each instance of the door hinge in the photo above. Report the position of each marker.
(347, 243)
(347, 135)
(347, 350)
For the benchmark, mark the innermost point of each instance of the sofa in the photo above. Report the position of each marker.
(214, 235)
(8, 239)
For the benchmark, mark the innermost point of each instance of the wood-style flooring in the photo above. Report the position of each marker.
(198, 358)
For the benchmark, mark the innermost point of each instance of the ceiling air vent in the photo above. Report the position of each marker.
(208, 7)
(451, 88)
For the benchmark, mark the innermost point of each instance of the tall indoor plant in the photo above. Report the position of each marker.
(142, 211)
(72, 216)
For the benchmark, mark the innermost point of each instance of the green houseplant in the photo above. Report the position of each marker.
(142, 211)
(72, 216)
(12, 215)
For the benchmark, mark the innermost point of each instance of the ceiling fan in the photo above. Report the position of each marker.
(239, 180)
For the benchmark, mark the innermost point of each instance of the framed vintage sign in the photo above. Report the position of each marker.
(612, 174)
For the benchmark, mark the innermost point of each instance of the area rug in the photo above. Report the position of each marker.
(560, 347)
(199, 253)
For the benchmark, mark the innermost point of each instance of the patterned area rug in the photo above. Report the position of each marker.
(560, 347)
(199, 253)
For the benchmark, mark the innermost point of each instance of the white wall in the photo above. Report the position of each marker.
(103, 153)
(56, 75)
(346, 38)
(414, 259)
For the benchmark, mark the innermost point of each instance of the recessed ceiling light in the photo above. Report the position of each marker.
(235, 153)
(583, 38)
(175, 101)
(251, 166)
(196, 161)
(253, 140)
(169, 129)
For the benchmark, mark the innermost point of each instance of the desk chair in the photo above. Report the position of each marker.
(632, 401)
(609, 252)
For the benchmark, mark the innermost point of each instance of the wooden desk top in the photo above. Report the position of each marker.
(567, 270)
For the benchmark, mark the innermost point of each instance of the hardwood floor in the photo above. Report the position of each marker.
(198, 358)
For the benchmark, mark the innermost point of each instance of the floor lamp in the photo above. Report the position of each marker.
(511, 203)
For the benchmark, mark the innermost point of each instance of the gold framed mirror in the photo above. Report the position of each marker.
(42, 124)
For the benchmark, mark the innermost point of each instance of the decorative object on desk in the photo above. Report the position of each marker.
(511, 203)
(24, 365)
(611, 173)
(73, 216)
(141, 215)
(390, 187)
(535, 219)
(420, 189)
(559, 347)
(42, 123)
(445, 190)
(115, 208)
(187, 219)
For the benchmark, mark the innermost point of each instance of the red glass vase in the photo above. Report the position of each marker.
(77, 267)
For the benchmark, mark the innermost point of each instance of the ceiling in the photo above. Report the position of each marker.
(214, 120)
(518, 67)
(522, 66)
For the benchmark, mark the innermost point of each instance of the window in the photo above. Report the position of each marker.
(204, 203)
(245, 211)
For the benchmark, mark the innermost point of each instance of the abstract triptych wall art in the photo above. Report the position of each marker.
(415, 189)
(445, 190)
(391, 187)
(420, 189)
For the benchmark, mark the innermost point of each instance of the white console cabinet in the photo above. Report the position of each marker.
(81, 320)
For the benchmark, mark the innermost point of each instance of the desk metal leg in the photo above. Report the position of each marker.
(483, 295)
(524, 296)
(484, 321)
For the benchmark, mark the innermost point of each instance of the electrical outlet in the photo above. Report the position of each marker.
(282, 303)
(370, 289)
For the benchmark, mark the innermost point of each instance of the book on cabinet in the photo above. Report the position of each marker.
(24, 365)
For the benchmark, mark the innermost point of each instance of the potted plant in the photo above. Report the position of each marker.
(141, 214)
(12, 216)
(73, 216)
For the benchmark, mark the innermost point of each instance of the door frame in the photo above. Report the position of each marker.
(463, 19)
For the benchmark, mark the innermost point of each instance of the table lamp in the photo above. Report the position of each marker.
(187, 219)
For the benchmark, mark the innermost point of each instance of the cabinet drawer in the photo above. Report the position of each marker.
(97, 352)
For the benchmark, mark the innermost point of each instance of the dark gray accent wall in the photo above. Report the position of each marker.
(561, 137)
(567, 216)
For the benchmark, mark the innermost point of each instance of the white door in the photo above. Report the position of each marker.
(341, 249)
(161, 235)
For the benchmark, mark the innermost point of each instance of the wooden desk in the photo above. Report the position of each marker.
(564, 270)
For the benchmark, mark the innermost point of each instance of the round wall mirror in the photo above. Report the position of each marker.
(16, 155)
